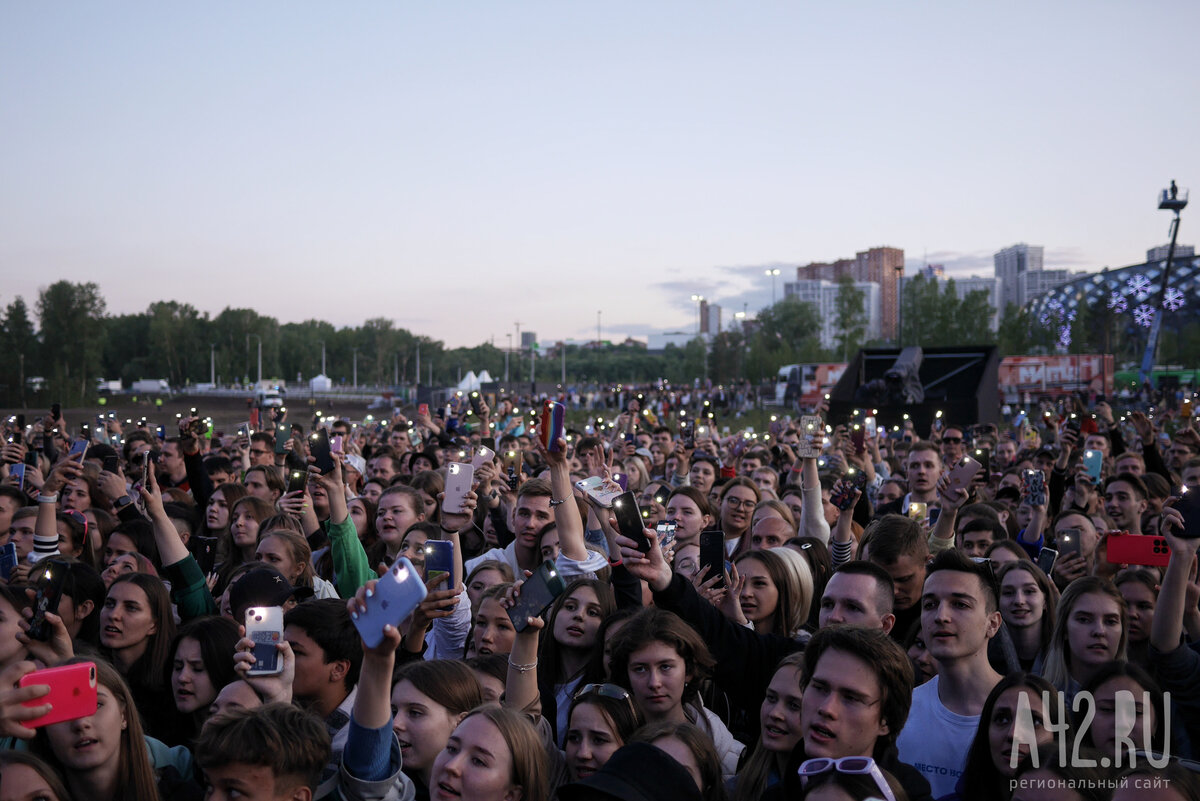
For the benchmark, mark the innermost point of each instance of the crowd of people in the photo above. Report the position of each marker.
(825, 610)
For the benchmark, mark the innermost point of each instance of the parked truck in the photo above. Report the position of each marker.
(151, 385)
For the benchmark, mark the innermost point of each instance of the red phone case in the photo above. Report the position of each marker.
(72, 692)
(1138, 549)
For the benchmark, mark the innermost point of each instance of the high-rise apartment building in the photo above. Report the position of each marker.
(710, 318)
(883, 266)
(822, 294)
(1160, 253)
(1011, 263)
(1030, 285)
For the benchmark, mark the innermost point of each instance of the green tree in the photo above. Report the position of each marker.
(728, 360)
(850, 317)
(972, 318)
(787, 334)
(177, 342)
(72, 325)
(18, 350)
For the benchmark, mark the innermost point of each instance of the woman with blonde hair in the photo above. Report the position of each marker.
(288, 552)
(772, 507)
(1090, 629)
(772, 590)
(516, 768)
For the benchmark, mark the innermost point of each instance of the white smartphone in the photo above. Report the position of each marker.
(459, 478)
(264, 625)
(594, 487)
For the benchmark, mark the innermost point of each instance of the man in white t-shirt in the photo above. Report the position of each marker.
(959, 614)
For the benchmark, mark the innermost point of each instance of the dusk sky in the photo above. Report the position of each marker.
(461, 166)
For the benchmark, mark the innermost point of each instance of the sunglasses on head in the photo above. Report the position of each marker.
(606, 690)
(78, 517)
(849, 765)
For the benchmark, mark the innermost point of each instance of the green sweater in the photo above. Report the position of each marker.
(351, 568)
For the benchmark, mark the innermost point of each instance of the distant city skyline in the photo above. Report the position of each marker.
(459, 168)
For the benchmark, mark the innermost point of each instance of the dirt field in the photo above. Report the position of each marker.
(227, 413)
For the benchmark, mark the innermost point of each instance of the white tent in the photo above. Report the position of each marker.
(320, 383)
(486, 378)
(469, 381)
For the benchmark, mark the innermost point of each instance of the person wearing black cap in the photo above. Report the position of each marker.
(636, 772)
(263, 586)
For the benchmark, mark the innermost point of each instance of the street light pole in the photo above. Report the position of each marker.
(322, 356)
(774, 273)
(212, 371)
(356, 368)
(507, 351)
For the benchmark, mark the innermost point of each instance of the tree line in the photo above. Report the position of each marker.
(70, 341)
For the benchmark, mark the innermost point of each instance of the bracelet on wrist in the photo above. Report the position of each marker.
(44, 498)
(522, 668)
(554, 503)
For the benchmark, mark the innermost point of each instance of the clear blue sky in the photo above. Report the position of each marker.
(461, 166)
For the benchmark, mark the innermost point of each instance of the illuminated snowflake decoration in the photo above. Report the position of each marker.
(1138, 285)
(1060, 317)
(1117, 302)
(1054, 311)
(1143, 315)
(1173, 300)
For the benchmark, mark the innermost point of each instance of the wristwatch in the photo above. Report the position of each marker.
(122, 502)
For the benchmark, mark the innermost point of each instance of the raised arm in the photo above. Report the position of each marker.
(566, 514)
(1171, 610)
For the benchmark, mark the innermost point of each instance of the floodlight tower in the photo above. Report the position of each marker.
(1171, 201)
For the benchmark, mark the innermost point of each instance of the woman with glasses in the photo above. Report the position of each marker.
(738, 498)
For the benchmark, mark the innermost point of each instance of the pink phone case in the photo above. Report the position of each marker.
(963, 473)
(458, 483)
(72, 692)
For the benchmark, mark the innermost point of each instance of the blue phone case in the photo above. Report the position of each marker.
(439, 558)
(397, 593)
